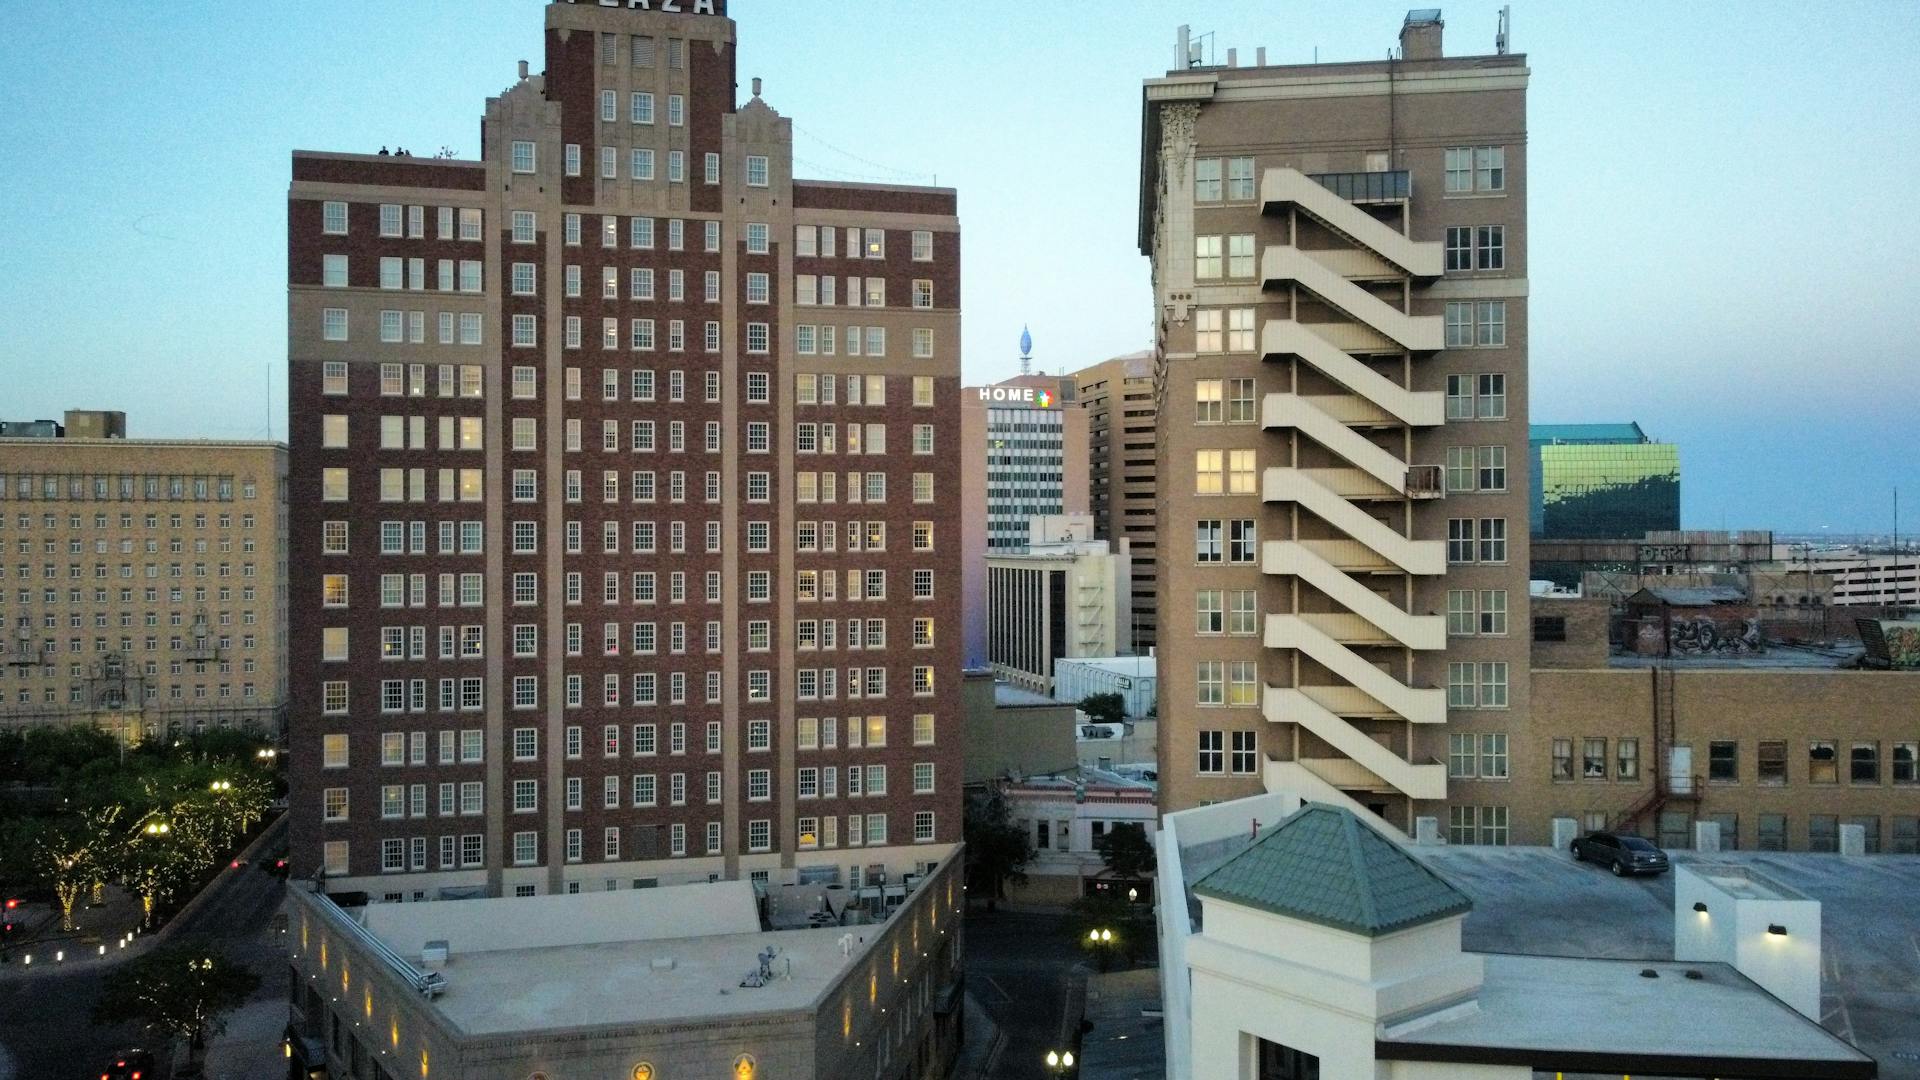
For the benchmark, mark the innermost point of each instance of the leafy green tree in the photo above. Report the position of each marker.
(998, 850)
(1107, 708)
(181, 991)
(1126, 851)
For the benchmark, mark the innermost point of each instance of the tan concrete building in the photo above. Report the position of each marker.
(1339, 262)
(626, 540)
(1779, 748)
(1023, 454)
(1122, 431)
(1065, 596)
(142, 583)
(810, 981)
(1013, 732)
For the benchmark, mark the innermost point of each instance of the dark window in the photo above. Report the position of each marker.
(1773, 832)
(1723, 761)
(1549, 628)
(1823, 832)
(1285, 1063)
(1773, 763)
(1864, 763)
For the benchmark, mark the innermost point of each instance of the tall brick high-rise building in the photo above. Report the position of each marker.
(1339, 257)
(624, 508)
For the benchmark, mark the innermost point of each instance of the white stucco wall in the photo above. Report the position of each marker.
(1733, 930)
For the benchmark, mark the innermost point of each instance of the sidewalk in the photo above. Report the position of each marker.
(108, 924)
(980, 1042)
(93, 927)
(250, 1047)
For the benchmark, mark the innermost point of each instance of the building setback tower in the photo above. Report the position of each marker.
(1339, 259)
(625, 540)
(1118, 397)
(1024, 455)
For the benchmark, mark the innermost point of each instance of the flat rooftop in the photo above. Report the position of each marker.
(1139, 666)
(1009, 695)
(631, 956)
(1840, 656)
(1537, 901)
(616, 983)
(1552, 1008)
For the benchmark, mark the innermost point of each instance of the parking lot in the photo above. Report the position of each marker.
(1537, 900)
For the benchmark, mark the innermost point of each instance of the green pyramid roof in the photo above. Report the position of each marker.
(1323, 865)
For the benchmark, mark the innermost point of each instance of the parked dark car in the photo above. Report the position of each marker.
(1623, 855)
(130, 1065)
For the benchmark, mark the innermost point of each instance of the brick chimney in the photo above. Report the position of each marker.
(1420, 35)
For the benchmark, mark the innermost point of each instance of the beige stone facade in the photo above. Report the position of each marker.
(1122, 433)
(142, 584)
(1339, 259)
(1778, 756)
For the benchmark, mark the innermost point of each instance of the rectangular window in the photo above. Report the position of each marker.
(1206, 180)
(1627, 759)
(1723, 762)
(1212, 753)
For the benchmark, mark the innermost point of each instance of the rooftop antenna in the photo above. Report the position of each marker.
(1506, 22)
(1026, 351)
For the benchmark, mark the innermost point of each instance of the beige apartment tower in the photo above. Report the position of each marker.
(1118, 397)
(144, 585)
(1339, 261)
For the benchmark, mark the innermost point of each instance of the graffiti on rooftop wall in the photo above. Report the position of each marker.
(1903, 646)
(1698, 636)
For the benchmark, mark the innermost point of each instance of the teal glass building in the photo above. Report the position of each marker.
(1602, 481)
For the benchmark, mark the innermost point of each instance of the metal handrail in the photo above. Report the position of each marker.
(1367, 186)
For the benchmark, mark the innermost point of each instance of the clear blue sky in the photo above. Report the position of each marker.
(1723, 237)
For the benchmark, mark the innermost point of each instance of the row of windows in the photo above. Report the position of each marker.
(76, 695)
(407, 273)
(1476, 468)
(408, 222)
(1469, 324)
(1481, 540)
(525, 229)
(1224, 472)
(1863, 762)
(860, 536)
(1224, 401)
(468, 851)
(1467, 169)
(1480, 685)
(123, 488)
(51, 571)
(1476, 247)
(407, 327)
(126, 519)
(1241, 541)
(175, 594)
(819, 291)
(817, 241)
(1215, 760)
(50, 646)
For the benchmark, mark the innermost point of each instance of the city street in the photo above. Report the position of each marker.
(46, 1028)
(1020, 969)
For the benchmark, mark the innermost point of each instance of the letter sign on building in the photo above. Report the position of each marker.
(678, 7)
(1017, 395)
